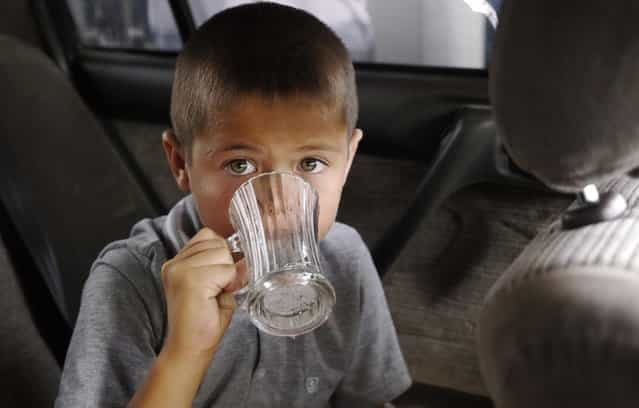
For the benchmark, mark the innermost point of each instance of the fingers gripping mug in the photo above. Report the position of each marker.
(275, 216)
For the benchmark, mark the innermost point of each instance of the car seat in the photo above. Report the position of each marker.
(64, 186)
(560, 328)
(29, 373)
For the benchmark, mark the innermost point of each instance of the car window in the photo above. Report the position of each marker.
(126, 24)
(438, 33)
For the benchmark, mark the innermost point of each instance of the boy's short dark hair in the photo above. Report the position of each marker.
(263, 49)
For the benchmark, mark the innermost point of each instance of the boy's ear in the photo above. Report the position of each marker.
(356, 137)
(176, 159)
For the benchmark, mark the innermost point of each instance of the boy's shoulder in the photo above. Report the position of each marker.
(347, 260)
(152, 241)
(132, 267)
(128, 272)
(343, 239)
(143, 248)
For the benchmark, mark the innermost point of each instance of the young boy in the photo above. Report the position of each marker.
(258, 88)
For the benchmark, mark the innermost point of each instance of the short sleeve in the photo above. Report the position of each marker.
(378, 372)
(113, 343)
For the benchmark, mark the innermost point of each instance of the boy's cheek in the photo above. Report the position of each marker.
(325, 225)
(327, 214)
(213, 210)
(329, 190)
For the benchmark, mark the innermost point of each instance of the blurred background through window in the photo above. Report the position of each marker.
(437, 33)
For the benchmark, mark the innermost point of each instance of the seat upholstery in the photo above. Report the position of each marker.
(564, 78)
(16, 19)
(29, 374)
(560, 328)
(65, 169)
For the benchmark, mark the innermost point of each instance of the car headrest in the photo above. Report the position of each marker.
(565, 89)
(560, 328)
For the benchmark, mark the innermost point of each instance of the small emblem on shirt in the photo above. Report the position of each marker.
(259, 373)
(312, 384)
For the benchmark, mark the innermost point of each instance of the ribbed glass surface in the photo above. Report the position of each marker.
(275, 216)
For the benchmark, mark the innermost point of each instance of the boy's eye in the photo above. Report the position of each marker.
(311, 165)
(240, 167)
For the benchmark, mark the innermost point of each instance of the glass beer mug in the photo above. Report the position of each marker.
(275, 217)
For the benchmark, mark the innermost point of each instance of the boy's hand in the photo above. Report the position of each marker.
(199, 283)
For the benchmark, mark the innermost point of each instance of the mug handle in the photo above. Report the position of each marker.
(234, 243)
(241, 295)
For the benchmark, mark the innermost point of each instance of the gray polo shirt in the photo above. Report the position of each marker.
(353, 360)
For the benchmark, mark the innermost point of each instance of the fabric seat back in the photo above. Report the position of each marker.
(561, 326)
(65, 176)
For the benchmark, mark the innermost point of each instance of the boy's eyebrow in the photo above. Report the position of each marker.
(305, 148)
(322, 147)
(238, 146)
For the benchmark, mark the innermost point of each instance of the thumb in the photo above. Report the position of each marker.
(203, 235)
(227, 305)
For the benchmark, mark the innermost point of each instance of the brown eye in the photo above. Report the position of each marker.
(240, 167)
(311, 165)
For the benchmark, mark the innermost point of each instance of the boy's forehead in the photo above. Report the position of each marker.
(288, 108)
(290, 120)
(224, 141)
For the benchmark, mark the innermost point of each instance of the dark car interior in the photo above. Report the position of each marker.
(450, 202)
